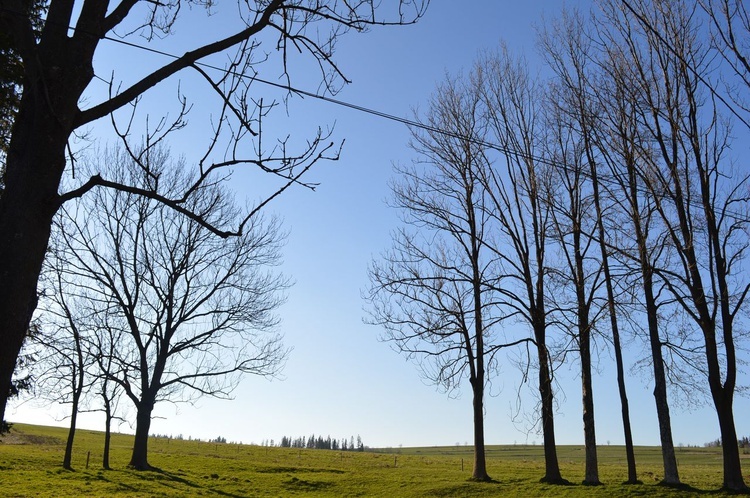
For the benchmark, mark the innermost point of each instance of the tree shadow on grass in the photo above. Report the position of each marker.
(102, 476)
(166, 478)
(690, 489)
(469, 488)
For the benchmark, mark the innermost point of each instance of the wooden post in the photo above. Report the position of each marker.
(395, 461)
(88, 456)
(462, 465)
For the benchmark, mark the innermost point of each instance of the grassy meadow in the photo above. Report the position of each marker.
(31, 456)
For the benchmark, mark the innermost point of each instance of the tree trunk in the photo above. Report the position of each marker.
(107, 431)
(591, 476)
(480, 461)
(477, 378)
(589, 429)
(34, 166)
(107, 439)
(551, 466)
(671, 474)
(139, 459)
(25, 221)
(733, 480)
(625, 407)
(68, 457)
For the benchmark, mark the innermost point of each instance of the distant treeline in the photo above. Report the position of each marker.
(323, 443)
(180, 437)
(743, 442)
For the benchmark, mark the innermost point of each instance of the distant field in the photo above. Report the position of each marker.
(30, 466)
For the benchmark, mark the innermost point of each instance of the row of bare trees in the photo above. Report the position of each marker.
(545, 213)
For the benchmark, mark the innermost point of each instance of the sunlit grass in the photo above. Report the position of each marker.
(30, 465)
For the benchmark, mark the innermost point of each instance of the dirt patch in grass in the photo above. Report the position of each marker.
(301, 485)
(292, 470)
(17, 437)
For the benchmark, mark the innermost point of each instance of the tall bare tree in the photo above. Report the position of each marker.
(625, 151)
(58, 67)
(194, 311)
(514, 103)
(430, 292)
(104, 347)
(702, 201)
(64, 358)
(578, 276)
(569, 51)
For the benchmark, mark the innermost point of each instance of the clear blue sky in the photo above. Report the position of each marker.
(340, 380)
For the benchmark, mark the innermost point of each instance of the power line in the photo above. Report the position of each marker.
(408, 122)
(342, 103)
(391, 117)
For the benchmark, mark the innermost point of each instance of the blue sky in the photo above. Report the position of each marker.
(340, 380)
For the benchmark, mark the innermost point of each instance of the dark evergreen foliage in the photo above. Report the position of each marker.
(320, 443)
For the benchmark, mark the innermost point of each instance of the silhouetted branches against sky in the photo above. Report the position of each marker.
(414, 123)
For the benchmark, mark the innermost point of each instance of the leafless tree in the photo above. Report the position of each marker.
(104, 347)
(626, 153)
(57, 54)
(64, 359)
(568, 49)
(577, 277)
(702, 201)
(516, 191)
(430, 292)
(193, 312)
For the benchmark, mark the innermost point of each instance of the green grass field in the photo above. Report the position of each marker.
(31, 456)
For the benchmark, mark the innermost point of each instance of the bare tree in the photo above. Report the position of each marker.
(703, 203)
(430, 292)
(513, 102)
(63, 368)
(578, 276)
(626, 152)
(569, 51)
(195, 311)
(104, 347)
(57, 62)
(77, 351)
(63, 377)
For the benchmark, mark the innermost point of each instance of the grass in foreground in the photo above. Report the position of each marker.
(30, 461)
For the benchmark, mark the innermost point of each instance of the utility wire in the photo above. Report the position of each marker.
(408, 122)
(343, 103)
(398, 119)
